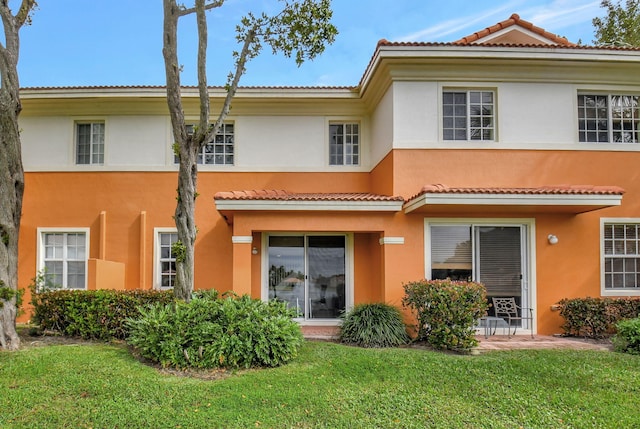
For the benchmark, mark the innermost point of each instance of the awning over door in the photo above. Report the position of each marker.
(546, 199)
(228, 203)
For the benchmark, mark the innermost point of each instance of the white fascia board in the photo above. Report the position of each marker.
(276, 205)
(512, 200)
(500, 52)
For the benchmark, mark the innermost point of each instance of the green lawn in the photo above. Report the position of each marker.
(329, 385)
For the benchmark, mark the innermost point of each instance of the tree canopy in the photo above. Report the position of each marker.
(300, 29)
(621, 25)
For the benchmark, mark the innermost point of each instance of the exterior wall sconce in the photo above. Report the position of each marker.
(552, 239)
(254, 251)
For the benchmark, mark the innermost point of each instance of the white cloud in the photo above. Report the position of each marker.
(563, 13)
(436, 32)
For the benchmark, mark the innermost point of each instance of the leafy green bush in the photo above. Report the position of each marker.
(217, 333)
(91, 314)
(627, 338)
(373, 325)
(447, 311)
(596, 317)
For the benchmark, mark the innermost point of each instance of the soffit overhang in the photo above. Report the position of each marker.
(574, 199)
(496, 63)
(228, 203)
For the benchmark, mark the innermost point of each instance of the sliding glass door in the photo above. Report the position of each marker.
(494, 255)
(308, 273)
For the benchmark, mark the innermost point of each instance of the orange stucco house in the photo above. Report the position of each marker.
(508, 157)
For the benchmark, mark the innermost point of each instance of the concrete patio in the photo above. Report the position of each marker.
(493, 342)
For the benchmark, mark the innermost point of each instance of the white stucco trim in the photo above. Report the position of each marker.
(594, 201)
(391, 240)
(294, 205)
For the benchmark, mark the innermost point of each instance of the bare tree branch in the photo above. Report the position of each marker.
(233, 85)
(203, 91)
(214, 5)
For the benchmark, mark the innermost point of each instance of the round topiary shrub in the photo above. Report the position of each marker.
(373, 325)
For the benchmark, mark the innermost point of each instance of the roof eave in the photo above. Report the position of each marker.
(578, 203)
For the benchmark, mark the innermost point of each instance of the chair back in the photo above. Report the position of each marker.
(505, 307)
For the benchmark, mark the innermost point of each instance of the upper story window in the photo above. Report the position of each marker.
(90, 143)
(621, 264)
(608, 118)
(220, 150)
(468, 115)
(64, 258)
(344, 144)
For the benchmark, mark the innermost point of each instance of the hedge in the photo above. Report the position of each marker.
(596, 317)
(92, 314)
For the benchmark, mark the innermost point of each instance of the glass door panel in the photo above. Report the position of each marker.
(326, 282)
(287, 271)
(308, 273)
(500, 260)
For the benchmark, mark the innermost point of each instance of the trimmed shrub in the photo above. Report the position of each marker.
(373, 325)
(217, 333)
(596, 317)
(92, 314)
(627, 338)
(447, 311)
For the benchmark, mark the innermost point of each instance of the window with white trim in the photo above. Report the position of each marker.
(90, 143)
(608, 118)
(166, 260)
(344, 144)
(468, 115)
(621, 258)
(64, 259)
(221, 150)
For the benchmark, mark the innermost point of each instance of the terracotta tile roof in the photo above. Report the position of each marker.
(162, 87)
(513, 20)
(542, 190)
(280, 195)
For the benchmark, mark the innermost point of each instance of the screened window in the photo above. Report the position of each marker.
(64, 259)
(608, 118)
(468, 115)
(344, 144)
(621, 256)
(166, 262)
(90, 143)
(221, 150)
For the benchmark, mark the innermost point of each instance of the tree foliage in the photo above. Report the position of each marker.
(621, 25)
(300, 29)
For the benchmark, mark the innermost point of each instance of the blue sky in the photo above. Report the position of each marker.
(119, 42)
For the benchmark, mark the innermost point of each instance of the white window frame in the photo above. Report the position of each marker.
(493, 128)
(619, 291)
(157, 256)
(348, 152)
(610, 119)
(92, 143)
(41, 253)
(529, 288)
(349, 272)
(210, 148)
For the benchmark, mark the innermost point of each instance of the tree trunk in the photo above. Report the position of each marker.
(186, 149)
(11, 171)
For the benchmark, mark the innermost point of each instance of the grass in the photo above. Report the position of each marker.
(327, 386)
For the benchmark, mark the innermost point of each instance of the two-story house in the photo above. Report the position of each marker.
(509, 157)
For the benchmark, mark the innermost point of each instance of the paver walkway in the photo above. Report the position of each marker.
(494, 342)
